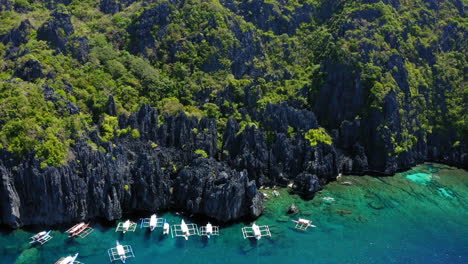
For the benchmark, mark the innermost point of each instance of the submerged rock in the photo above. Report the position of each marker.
(377, 205)
(293, 209)
(344, 212)
(282, 219)
(28, 256)
(307, 213)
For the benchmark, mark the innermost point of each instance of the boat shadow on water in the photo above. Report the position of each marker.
(253, 245)
(121, 236)
(181, 243)
(147, 235)
(205, 241)
(298, 231)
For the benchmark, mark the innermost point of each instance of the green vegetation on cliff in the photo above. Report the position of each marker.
(216, 58)
(316, 136)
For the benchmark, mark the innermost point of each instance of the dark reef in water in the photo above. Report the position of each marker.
(160, 170)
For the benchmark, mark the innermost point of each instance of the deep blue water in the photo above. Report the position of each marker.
(420, 216)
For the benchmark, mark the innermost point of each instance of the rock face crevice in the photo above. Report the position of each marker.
(209, 188)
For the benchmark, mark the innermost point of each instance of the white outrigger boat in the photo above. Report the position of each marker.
(152, 222)
(166, 228)
(120, 252)
(41, 237)
(184, 230)
(303, 224)
(68, 260)
(209, 230)
(81, 230)
(256, 231)
(127, 226)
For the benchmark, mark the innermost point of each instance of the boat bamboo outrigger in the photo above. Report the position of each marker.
(68, 260)
(41, 237)
(152, 222)
(184, 230)
(303, 224)
(120, 252)
(80, 230)
(256, 231)
(209, 230)
(127, 226)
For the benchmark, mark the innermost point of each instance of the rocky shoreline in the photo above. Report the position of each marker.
(382, 95)
(160, 170)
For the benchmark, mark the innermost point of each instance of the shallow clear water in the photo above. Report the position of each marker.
(400, 219)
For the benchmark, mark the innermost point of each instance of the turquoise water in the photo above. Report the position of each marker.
(423, 178)
(400, 219)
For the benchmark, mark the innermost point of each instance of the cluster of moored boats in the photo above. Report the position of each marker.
(124, 252)
(80, 230)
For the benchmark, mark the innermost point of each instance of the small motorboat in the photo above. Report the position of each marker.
(303, 224)
(77, 229)
(41, 237)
